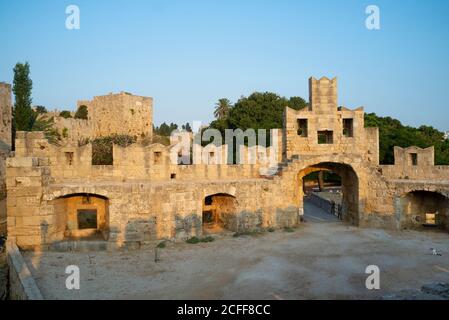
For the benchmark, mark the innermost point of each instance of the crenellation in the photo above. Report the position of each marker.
(152, 191)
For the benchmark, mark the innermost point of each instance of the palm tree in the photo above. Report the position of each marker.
(222, 108)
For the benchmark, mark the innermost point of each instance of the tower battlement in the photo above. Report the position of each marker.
(323, 95)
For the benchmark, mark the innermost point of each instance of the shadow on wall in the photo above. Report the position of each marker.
(423, 209)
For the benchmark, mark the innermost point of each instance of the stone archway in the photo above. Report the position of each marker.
(82, 215)
(349, 188)
(418, 209)
(219, 212)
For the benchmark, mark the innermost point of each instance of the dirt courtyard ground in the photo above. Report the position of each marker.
(322, 259)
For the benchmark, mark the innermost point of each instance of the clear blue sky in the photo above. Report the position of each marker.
(189, 53)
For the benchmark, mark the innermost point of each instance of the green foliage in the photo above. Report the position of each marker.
(271, 229)
(393, 133)
(102, 148)
(65, 133)
(289, 229)
(23, 116)
(65, 114)
(165, 129)
(40, 109)
(161, 245)
(46, 125)
(207, 239)
(222, 108)
(158, 139)
(328, 176)
(258, 111)
(247, 233)
(193, 240)
(187, 127)
(81, 113)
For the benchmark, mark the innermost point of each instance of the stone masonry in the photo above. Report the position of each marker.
(143, 196)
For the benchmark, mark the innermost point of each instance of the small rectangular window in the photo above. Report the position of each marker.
(431, 219)
(157, 157)
(348, 128)
(302, 127)
(325, 137)
(69, 158)
(414, 159)
(87, 219)
(173, 176)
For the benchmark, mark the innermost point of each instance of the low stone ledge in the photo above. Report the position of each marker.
(21, 283)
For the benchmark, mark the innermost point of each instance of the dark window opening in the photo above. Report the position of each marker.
(157, 157)
(173, 176)
(87, 219)
(69, 158)
(208, 201)
(348, 128)
(325, 137)
(208, 217)
(302, 127)
(414, 159)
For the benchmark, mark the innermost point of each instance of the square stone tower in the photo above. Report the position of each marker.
(323, 95)
(5, 116)
(121, 113)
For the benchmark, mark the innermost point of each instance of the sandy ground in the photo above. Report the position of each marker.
(322, 259)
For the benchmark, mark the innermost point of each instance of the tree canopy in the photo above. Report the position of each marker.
(81, 113)
(65, 114)
(222, 108)
(260, 110)
(22, 86)
(393, 133)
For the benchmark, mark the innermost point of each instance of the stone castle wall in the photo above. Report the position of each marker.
(5, 146)
(121, 113)
(148, 195)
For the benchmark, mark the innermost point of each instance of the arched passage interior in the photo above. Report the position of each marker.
(219, 212)
(343, 188)
(82, 215)
(420, 208)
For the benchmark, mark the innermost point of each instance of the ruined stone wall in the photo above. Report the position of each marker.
(121, 113)
(415, 163)
(151, 196)
(5, 147)
(155, 162)
(138, 211)
(74, 129)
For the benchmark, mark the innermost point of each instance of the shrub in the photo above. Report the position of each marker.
(65, 133)
(271, 229)
(102, 148)
(81, 113)
(65, 114)
(161, 245)
(207, 239)
(193, 240)
(289, 229)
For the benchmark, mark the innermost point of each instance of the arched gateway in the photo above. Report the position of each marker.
(55, 192)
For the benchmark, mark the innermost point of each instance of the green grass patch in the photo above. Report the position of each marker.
(247, 233)
(195, 240)
(289, 229)
(207, 239)
(161, 245)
